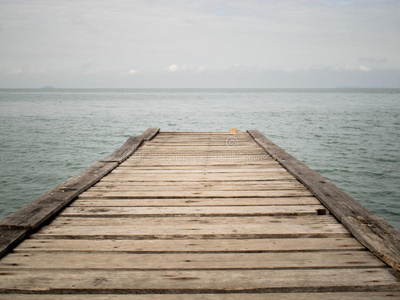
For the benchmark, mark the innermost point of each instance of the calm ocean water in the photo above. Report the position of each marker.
(351, 136)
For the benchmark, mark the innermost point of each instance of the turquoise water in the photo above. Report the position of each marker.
(351, 136)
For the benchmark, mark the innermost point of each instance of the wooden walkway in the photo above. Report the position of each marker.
(196, 216)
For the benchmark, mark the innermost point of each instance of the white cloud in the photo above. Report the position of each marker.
(176, 68)
(351, 68)
(16, 71)
(288, 70)
(172, 68)
(189, 37)
(26, 70)
(364, 69)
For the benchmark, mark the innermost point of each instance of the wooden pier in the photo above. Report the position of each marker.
(198, 215)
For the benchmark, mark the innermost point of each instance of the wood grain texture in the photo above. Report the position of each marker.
(372, 231)
(196, 160)
(238, 186)
(269, 163)
(219, 281)
(225, 296)
(184, 216)
(243, 171)
(125, 151)
(191, 246)
(199, 183)
(115, 202)
(190, 261)
(149, 134)
(34, 214)
(199, 177)
(194, 194)
(271, 222)
(10, 237)
(193, 211)
(192, 227)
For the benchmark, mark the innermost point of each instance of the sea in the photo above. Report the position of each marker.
(350, 136)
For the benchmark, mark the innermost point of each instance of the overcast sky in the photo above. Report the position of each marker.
(179, 44)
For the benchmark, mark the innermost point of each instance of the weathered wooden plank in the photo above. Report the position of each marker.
(172, 143)
(192, 246)
(149, 134)
(177, 160)
(204, 173)
(183, 152)
(171, 232)
(224, 296)
(323, 222)
(195, 194)
(190, 261)
(195, 202)
(35, 213)
(202, 170)
(10, 237)
(130, 146)
(222, 138)
(166, 230)
(193, 211)
(223, 141)
(200, 182)
(109, 281)
(190, 162)
(176, 134)
(137, 188)
(216, 155)
(190, 228)
(217, 141)
(237, 167)
(200, 148)
(193, 186)
(116, 186)
(372, 231)
(200, 177)
(375, 233)
(220, 155)
(159, 160)
(208, 165)
(208, 153)
(122, 187)
(202, 144)
(228, 139)
(197, 150)
(200, 133)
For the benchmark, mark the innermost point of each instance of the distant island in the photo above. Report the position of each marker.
(48, 87)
